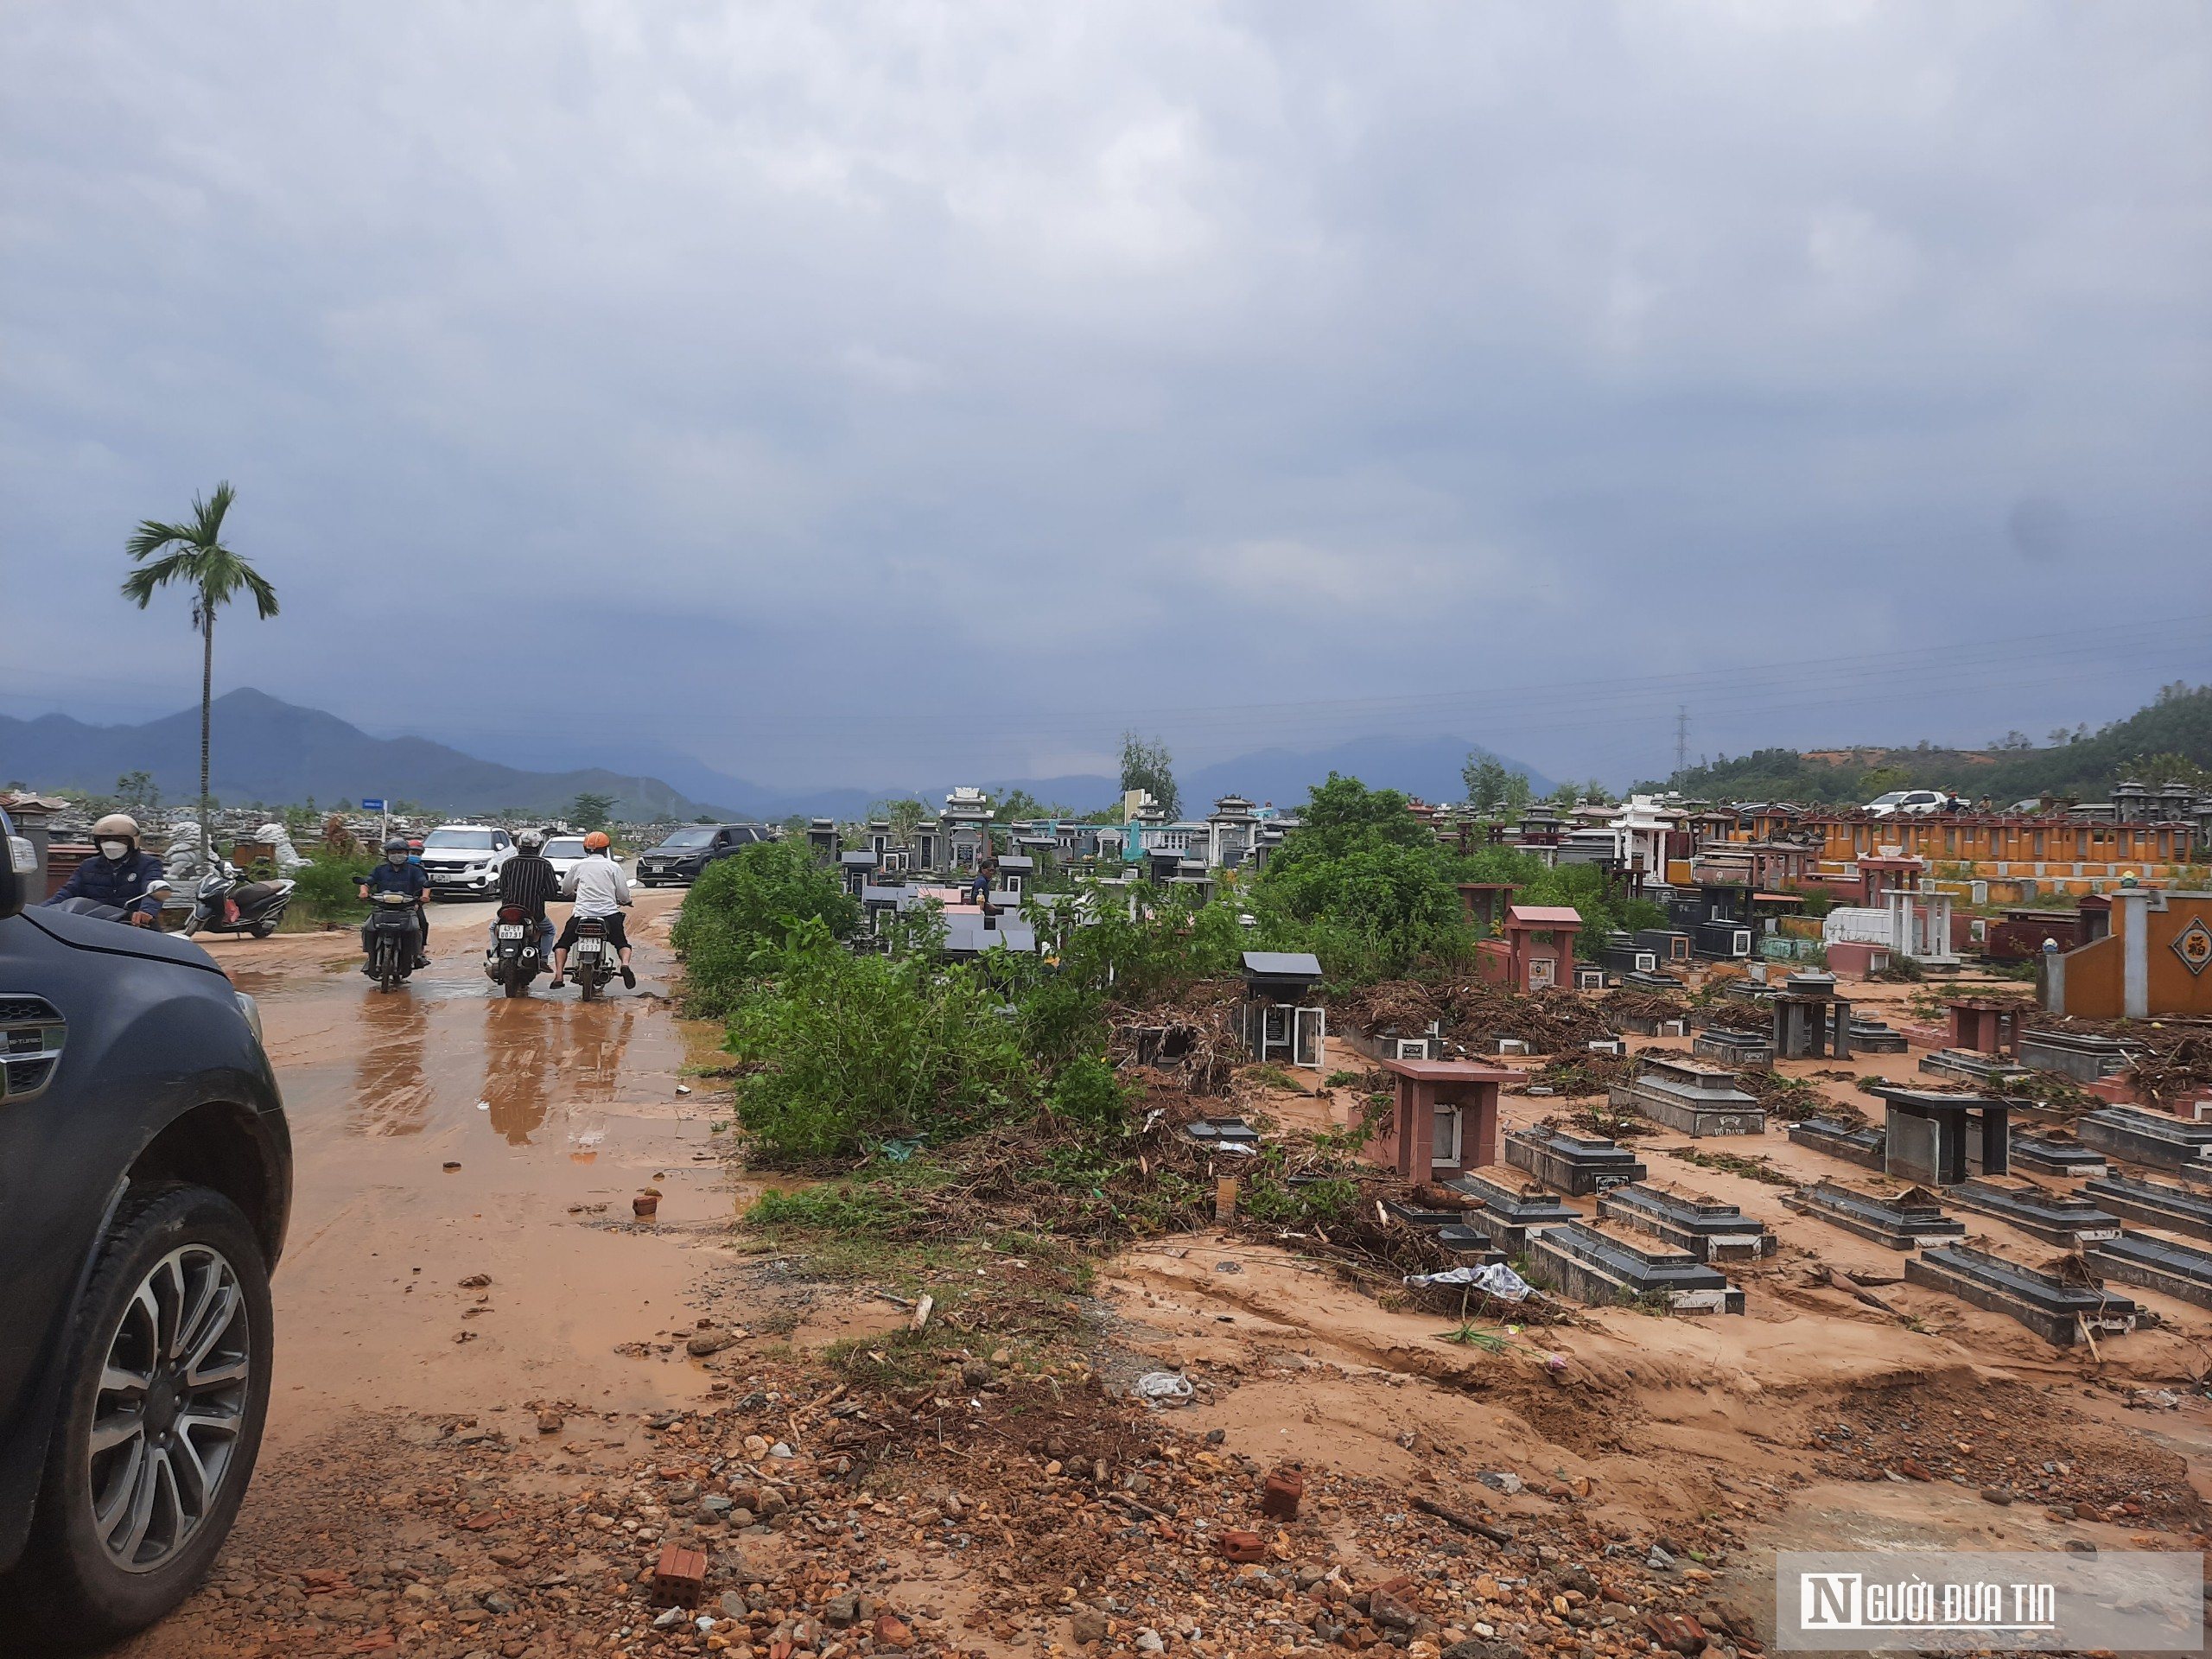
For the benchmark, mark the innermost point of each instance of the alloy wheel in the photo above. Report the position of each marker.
(173, 1395)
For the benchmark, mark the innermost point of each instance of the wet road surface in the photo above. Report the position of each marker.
(557, 1114)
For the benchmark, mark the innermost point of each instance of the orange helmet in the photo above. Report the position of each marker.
(597, 841)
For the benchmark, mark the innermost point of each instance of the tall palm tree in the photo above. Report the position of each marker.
(192, 555)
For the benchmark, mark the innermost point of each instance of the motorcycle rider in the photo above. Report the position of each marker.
(399, 873)
(600, 891)
(528, 881)
(120, 875)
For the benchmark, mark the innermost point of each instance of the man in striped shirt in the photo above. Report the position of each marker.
(528, 881)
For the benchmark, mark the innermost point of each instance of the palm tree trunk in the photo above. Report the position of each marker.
(206, 714)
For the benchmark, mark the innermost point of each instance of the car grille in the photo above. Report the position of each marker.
(32, 1033)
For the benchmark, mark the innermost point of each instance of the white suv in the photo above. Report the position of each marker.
(1908, 803)
(463, 860)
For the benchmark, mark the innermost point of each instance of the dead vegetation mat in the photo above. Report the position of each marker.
(1475, 1014)
(1044, 1178)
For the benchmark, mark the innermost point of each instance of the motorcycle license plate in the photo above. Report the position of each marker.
(587, 947)
(510, 929)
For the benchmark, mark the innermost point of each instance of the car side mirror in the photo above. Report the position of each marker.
(18, 863)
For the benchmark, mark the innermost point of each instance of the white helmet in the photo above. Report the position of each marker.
(116, 826)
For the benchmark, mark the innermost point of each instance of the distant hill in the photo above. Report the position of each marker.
(271, 751)
(2168, 739)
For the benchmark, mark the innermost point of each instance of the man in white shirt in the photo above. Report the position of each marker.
(602, 892)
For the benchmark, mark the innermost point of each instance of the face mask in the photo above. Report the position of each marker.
(395, 859)
(117, 850)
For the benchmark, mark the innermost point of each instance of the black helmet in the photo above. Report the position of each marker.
(397, 844)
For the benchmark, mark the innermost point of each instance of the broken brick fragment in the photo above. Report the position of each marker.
(1279, 1496)
(1676, 1632)
(1237, 1545)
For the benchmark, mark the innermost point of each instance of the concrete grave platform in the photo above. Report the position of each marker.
(2148, 1262)
(1647, 1024)
(1709, 1229)
(1575, 1164)
(1604, 1265)
(1861, 1146)
(2055, 1217)
(2170, 1204)
(2055, 1306)
(1469, 1246)
(1511, 1212)
(1731, 1048)
(1696, 1100)
(1900, 1220)
(2054, 1151)
(2083, 1056)
(2142, 1136)
(1221, 1132)
(1873, 1037)
(1983, 1070)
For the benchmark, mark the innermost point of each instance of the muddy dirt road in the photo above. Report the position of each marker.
(445, 1136)
(444, 1132)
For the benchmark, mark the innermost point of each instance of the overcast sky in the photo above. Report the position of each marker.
(846, 392)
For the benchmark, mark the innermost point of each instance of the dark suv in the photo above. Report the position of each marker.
(145, 1174)
(690, 849)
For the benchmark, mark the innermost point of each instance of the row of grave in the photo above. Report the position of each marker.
(1691, 1234)
(1651, 1240)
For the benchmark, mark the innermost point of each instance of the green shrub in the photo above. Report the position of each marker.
(855, 1051)
(868, 1208)
(1088, 1095)
(745, 908)
(328, 888)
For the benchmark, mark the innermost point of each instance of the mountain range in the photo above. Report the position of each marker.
(271, 751)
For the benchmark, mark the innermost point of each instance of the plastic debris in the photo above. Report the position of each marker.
(1492, 1279)
(1164, 1388)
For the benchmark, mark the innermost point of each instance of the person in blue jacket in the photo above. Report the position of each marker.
(118, 874)
(400, 874)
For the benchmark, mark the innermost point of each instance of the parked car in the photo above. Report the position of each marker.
(463, 860)
(565, 852)
(1908, 803)
(679, 859)
(146, 1176)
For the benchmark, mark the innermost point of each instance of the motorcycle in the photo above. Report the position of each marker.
(393, 939)
(227, 903)
(592, 961)
(513, 959)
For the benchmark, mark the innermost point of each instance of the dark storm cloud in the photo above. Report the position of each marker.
(930, 368)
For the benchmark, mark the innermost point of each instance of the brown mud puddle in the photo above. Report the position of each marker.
(557, 1114)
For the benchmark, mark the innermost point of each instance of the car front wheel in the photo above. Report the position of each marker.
(164, 1392)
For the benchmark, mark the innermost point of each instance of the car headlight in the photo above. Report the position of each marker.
(251, 1010)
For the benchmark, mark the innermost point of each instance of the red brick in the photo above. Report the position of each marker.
(1240, 1546)
(679, 1577)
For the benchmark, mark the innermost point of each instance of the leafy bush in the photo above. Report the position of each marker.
(329, 887)
(1088, 1095)
(745, 908)
(859, 1050)
(1269, 1197)
(1367, 881)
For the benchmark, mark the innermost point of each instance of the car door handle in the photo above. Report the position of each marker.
(32, 1033)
